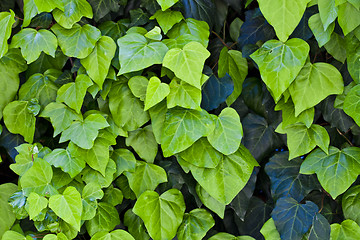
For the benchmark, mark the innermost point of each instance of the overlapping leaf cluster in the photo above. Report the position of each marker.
(190, 119)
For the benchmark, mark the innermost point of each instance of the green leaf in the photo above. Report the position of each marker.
(353, 56)
(72, 94)
(279, 63)
(167, 19)
(182, 128)
(138, 86)
(79, 41)
(147, 176)
(313, 84)
(135, 225)
(92, 192)
(210, 202)
(351, 204)
(61, 116)
(301, 140)
(90, 175)
(19, 119)
(162, 214)
(48, 5)
(83, 133)
(35, 204)
(30, 11)
(106, 219)
(97, 64)
(135, 53)
(8, 235)
(348, 230)
(6, 22)
(183, 95)
(156, 91)
(348, 24)
(228, 178)
(187, 63)
(328, 12)
(68, 206)
(336, 171)
(269, 230)
(103, 7)
(158, 114)
(114, 235)
(144, 143)
(195, 225)
(7, 217)
(288, 114)
(227, 236)
(33, 42)
(283, 15)
(228, 133)
(114, 196)
(127, 111)
(352, 103)
(337, 47)
(59, 236)
(154, 34)
(232, 62)
(125, 161)
(74, 10)
(322, 36)
(320, 228)
(165, 4)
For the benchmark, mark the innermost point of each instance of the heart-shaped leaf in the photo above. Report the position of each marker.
(156, 91)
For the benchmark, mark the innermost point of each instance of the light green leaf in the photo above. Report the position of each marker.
(210, 202)
(114, 235)
(144, 143)
(30, 11)
(92, 192)
(138, 86)
(322, 36)
(288, 114)
(351, 205)
(183, 95)
(19, 119)
(347, 23)
(72, 94)
(183, 127)
(6, 22)
(48, 5)
(33, 42)
(353, 56)
(106, 219)
(90, 175)
(348, 230)
(228, 132)
(35, 204)
(279, 63)
(74, 10)
(301, 140)
(187, 63)
(337, 47)
(135, 53)
(165, 4)
(125, 161)
(97, 64)
(79, 41)
(154, 34)
(202, 154)
(61, 116)
(232, 62)
(156, 91)
(147, 176)
(127, 111)
(7, 217)
(195, 225)
(313, 84)
(59, 236)
(227, 236)
(228, 178)
(158, 113)
(83, 133)
(12, 235)
(162, 214)
(103, 7)
(328, 12)
(269, 231)
(352, 104)
(283, 15)
(167, 19)
(336, 171)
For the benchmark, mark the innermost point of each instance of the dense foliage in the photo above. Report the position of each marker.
(186, 119)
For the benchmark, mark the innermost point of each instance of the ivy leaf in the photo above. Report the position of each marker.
(103, 7)
(344, 11)
(336, 171)
(6, 22)
(135, 53)
(7, 217)
(90, 175)
(350, 204)
(352, 103)
(228, 236)
(203, 10)
(269, 230)
(320, 228)
(125, 161)
(328, 12)
(112, 29)
(348, 229)
(156, 92)
(184, 127)
(59, 236)
(114, 235)
(228, 132)
(106, 219)
(183, 95)
(165, 4)
(79, 41)
(279, 63)
(147, 176)
(210, 202)
(313, 84)
(60, 115)
(74, 10)
(162, 214)
(135, 225)
(83, 133)
(337, 47)
(301, 140)
(167, 19)
(35, 204)
(195, 225)
(72, 94)
(286, 17)
(286, 181)
(30, 11)
(187, 63)
(138, 86)
(288, 114)
(292, 219)
(144, 143)
(19, 120)
(114, 196)
(48, 5)
(353, 56)
(97, 64)
(232, 62)
(322, 36)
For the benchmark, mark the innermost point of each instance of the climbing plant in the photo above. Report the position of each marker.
(185, 119)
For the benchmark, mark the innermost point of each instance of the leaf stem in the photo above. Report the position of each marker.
(222, 41)
(19, 18)
(345, 137)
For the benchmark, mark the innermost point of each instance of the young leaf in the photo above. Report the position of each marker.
(114, 235)
(279, 63)
(288, 114)
(90, 175)
(6, 22)
(348, 24)
(74, 10)
(195, 225)
(106, 219)
(322, 36)
(48, 5)
(187, 63)
(165, 4)
(269, 230)
(348, 229)
(167, 19)
(138, 86)
(183, 95)
(162, 214)
(35, 204)
(328, 12)
(336, 171)
(125, 161)
(156, 91)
